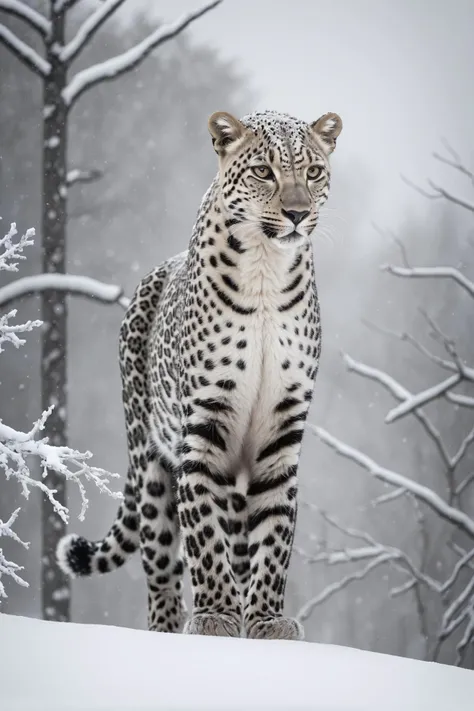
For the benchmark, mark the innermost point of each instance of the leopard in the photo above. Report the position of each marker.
(218, 352)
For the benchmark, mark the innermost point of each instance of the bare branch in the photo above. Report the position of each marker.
(352, 532)
(333, 588)
(430, 273)
(466, 639)
(465, 444)
(450, 622)
(450, 347)
(24, 52)
(76, 175)
(459, 550)
(70, 283)
(438, 193)
(122, 63)
(88, 29)
(423, 493)
(405, 587)
(418, 189)
(391, 496)
(462, 562)
(409, 338)
(454, 162)
(396, 240)
(64, 5)
(32, 17)
(374, 548)
(451, 198)
(464, 484)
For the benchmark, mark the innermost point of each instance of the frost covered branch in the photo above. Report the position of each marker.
(8, 567)
(10, 250)
(32, 17)
(24, 52)
(9, 334)
(122, 63)
(17, 447)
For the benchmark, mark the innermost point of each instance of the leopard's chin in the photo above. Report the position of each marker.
(291, 241)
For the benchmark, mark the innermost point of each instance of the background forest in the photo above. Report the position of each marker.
(384, 555)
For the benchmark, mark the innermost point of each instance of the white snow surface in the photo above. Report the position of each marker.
(53, 666)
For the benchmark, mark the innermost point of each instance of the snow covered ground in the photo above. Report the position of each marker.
(52, 666)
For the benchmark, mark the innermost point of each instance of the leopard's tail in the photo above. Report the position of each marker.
(78, 557)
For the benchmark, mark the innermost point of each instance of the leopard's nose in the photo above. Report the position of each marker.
(296, 216)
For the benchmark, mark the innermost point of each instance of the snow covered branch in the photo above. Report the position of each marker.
(122, 63)
(454, 588)
(32, 17)
(88, 29)
(422, 493)
(24, 52)
(459, 399)
(76, 175)
(432, 273)
(72, 284)
(403, 395)
(422, 398)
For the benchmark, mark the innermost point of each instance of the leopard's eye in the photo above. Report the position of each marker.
(314, 172)
(263, 172)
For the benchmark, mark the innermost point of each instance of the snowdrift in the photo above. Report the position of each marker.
(61, 667)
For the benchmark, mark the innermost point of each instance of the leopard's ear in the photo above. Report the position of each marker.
(224, 129)
(327, 128)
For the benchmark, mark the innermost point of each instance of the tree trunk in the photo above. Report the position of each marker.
(55, 585)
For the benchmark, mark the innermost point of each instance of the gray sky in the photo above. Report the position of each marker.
(399, 72)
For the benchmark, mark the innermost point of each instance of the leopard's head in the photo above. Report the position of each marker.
(274, 171)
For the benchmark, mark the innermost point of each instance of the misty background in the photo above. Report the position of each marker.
(400, 76)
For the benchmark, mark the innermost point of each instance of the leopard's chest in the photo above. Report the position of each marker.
(250, 328)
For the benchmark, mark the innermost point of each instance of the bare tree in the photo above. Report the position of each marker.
(60, 94)
(454, 588)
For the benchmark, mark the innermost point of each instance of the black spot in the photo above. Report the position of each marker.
(235, 244)
(149, 511)
(165, 538)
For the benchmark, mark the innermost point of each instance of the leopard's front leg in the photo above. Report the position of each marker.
(271, 524)
(203, 503)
